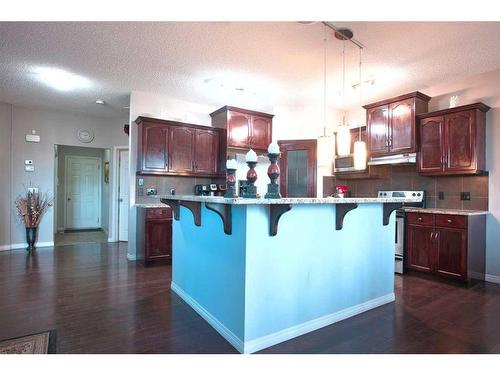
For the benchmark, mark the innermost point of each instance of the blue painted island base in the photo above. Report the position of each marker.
(259, 290)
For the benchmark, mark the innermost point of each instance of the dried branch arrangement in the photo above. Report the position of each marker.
(31, 207)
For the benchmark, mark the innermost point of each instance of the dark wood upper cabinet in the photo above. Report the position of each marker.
(238, 129)
(261, 132)
(460, 134)
(431, 144)
(378, 130)
(391, 124)
(245, 129)
(402, 126)
(179, 149)
(153, 155)
(206, 151)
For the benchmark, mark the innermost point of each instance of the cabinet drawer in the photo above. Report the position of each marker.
(159, 213)
(419, 218)
(451, 221)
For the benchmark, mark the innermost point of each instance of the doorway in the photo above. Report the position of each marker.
(82, 195)
(123, 194)
(298, 166)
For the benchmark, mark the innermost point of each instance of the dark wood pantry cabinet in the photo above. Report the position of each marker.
(391, 124)
(245, 129)
(154, 234)
(179, 149)
(452, 246)
(453, 141)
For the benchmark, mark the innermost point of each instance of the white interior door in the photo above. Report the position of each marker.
(123, 189)
(83, 192)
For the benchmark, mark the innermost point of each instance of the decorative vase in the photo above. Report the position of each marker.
(273, 189)
(230, 183)
(31, 234)
(251, 189)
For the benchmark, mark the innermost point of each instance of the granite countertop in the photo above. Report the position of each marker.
(447, 211)
(150, 205)
(328, 200)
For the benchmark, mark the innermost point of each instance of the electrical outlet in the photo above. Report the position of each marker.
(140, 181)
(465, 196)
(441, 195)
(151, 191)
(172, 191)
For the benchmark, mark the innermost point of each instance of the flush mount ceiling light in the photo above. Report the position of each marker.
(60, 79)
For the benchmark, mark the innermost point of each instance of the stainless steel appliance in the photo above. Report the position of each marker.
(345, 164)
(399, 251)
(394, 159)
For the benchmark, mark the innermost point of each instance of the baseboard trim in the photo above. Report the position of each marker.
(260, 343)
(16, 246)
(263, 342)
(213, 321)
(131, 257)
(492, 278)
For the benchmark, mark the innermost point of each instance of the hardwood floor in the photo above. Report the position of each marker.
(101, 303)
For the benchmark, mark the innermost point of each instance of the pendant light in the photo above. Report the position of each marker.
(325, 140)
(343, 130)
(360, 153)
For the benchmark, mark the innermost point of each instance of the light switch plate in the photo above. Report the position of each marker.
(28, 162)
(140, 181)
(29, 168)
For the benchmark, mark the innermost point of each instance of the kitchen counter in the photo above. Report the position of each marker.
(262, 271)
(252, 201)
(150, 205)
(445, 211)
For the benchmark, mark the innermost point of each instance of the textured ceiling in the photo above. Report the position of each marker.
(261, 64)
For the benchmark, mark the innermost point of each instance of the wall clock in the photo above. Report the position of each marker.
(85, 135)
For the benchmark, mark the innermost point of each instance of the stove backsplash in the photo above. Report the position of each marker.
(405, 177)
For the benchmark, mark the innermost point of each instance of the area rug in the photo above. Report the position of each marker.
(39, 343)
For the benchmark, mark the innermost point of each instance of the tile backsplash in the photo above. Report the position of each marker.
(163, 184)
(405, 177)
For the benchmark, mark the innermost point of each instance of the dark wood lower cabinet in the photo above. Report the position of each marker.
(420, 248)
(447, 245)
(154, 234)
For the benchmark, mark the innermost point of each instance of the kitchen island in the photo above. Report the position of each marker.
(262, 271)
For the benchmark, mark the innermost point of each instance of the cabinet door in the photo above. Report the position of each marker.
(431, 145)
(451, 257)
(158, 240)
(459, 135)
(238, 129)
(154, 148)
(181, 152)
(206, 151)
(260, 133)
(420, 248)
(402, 126)
(377, 125)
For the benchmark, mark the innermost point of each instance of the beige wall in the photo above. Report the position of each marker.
(5, 150)
(54, 128)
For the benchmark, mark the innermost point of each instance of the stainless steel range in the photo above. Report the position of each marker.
(399, 252)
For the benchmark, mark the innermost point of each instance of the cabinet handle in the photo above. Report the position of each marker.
(449, 221)
(419, 219)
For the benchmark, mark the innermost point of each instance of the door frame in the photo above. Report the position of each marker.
(115, 207)
(66, 158)
(311, 145)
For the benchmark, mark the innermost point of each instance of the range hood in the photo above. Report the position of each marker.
(394, 159)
